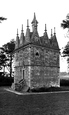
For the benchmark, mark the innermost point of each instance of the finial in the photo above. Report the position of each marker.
(34, 19)
(27, 23)
(51, 32)
(17, 32)
(54, 31)
(22, 27)
(45, 28)
(34, 16)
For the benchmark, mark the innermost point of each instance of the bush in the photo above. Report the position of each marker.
(44, 89)
(5, 80)
(64, 82)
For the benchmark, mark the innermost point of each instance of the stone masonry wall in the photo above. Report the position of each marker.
(22, 61)
(40, 64)
(45, 57)
(44, 76)
(44, 67)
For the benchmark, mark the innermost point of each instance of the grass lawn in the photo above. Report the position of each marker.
(34, 104)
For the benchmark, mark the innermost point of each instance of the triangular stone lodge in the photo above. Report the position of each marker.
(36, 58)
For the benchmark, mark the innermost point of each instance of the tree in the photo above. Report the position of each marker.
(8, 49)
(3, 60)
(64, 25)
(2, 19)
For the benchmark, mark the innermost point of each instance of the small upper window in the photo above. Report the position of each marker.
(37, 54)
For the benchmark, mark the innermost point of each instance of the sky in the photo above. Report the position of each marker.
(49, 12)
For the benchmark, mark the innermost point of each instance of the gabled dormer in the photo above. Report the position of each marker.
(53, 40)
(45, 36)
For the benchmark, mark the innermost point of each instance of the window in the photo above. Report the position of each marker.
(37, 53)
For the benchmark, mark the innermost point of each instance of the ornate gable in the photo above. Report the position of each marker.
(53, 41)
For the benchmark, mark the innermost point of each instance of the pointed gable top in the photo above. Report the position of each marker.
(17, 36)
(27, 30)
(22, 37)
(34, 20)
(51, 33)
(22, 29)
(45, 28)
(45, 33)
(54, 40)
(27, 37)
(54, 36)
(54, 31)
(17, 40)
(17, 32)
(27, 23)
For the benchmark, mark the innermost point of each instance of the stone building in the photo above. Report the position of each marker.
(36, 58)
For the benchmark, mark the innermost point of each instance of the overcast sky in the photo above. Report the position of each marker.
(51, 12)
